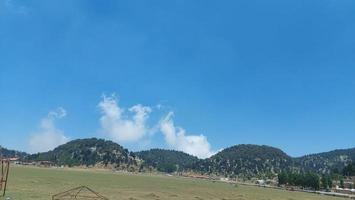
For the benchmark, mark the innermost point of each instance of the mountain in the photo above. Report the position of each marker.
(6, 153)
(246, 160)
(167, 160)
(89, 152)
(328, 161)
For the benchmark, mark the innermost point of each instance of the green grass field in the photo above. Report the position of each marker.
(39, 184)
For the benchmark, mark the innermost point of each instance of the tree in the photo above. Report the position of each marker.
(330, 182)
(311, 180)
(282, 177)
(349, 170)
(326, 181)
(342, 183)
(335, 171)
(166, 167)
(308, 180)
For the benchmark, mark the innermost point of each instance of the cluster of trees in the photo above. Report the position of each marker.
(326, 181)
(167, 167)
(245, 161)
(6, 153)
(349, 170)
(242, 161)
(312, 180)
(87, 152)
(305, 180)
(327, 161)
(337, 176)
(167, 160)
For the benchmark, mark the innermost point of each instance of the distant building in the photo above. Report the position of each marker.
(45, 163)
(224, 179)
(271, 182)
(260, 182)
(344, 190)
(196, 176)
(14, 160)
(28, 163)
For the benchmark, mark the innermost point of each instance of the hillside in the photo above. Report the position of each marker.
(89, 152)
(167, 160)
(243, 160)
(6, 153)
(327, 161)
(255, 160)
(246, 160)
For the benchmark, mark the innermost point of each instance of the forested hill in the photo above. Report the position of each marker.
(246, 160)
(6, 153)
(327, 161)
(255, 160)
(89, 152)
(167, 160)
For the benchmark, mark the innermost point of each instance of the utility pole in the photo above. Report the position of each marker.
(5, 168)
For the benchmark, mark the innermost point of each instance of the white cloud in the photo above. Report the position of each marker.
(15, 7)
(58, 113)
(176, 138)
(48, 137)
(120, 126)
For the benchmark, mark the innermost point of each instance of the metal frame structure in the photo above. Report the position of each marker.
(5, 168)
(82, 192)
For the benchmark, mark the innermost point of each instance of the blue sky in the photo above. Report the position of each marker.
(279, 73)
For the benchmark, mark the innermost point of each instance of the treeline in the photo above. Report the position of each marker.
(167, 160)
(314, 181)
(304, 180)
(243, 161)
(6, 153)
(327, 161)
